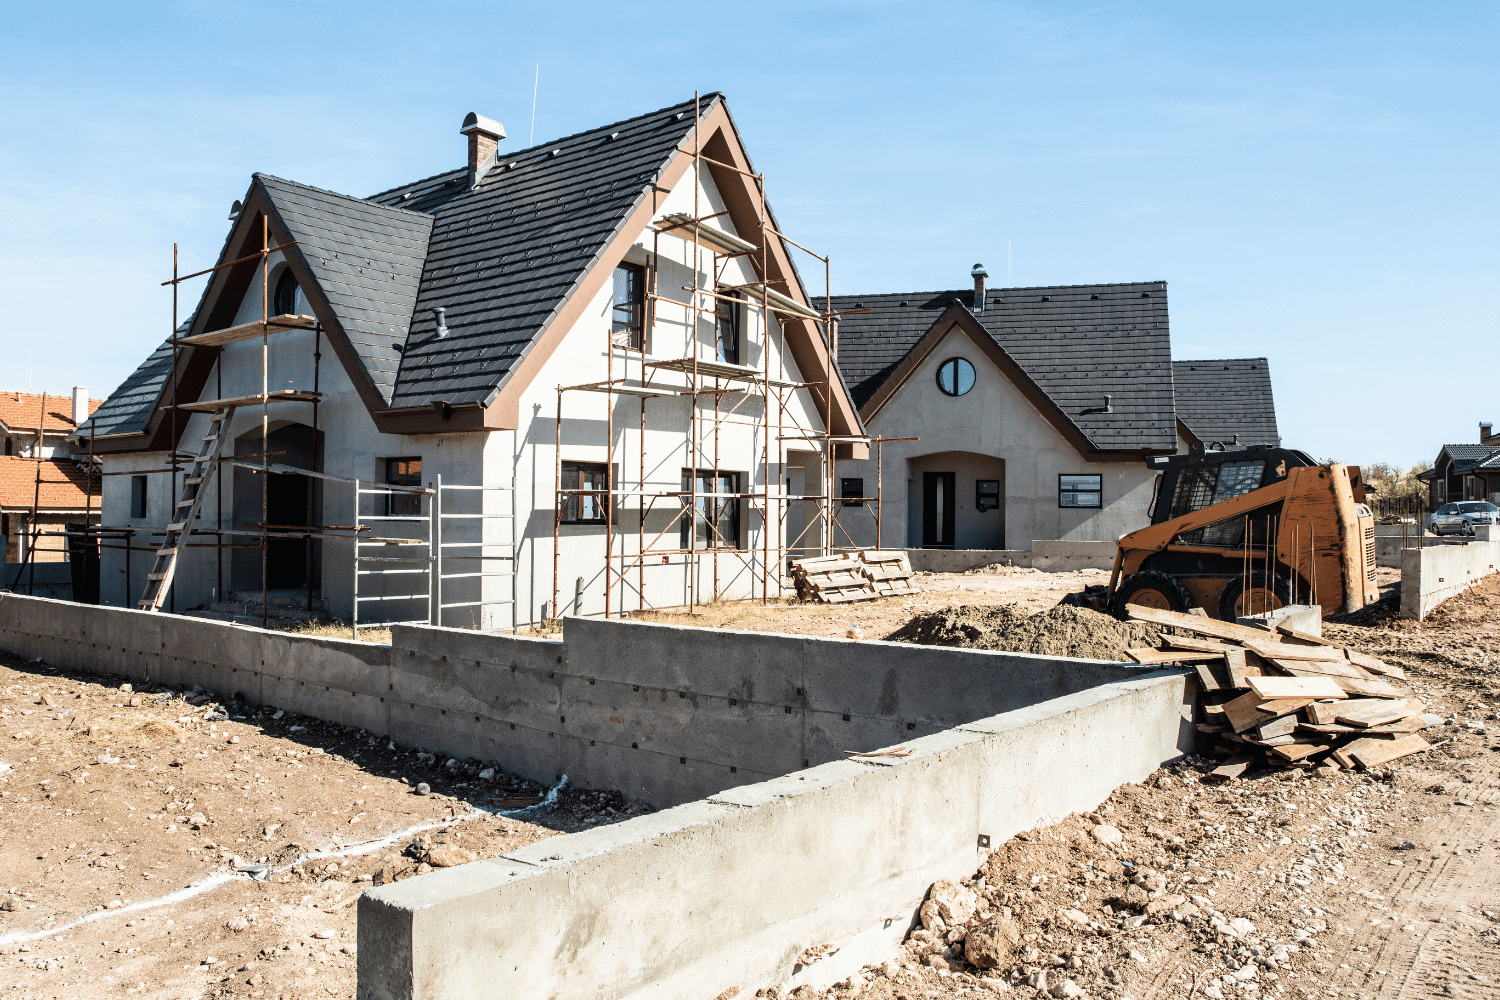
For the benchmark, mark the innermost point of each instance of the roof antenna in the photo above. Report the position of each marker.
(442, 328)
(536, 82)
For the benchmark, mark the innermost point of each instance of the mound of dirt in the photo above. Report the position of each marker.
(1060, 631)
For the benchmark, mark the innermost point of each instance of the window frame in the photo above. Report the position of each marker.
(731, 312)
(635, 327)
(956, 360)
(856, 498)
(399, 504)
(1097, 492)
(284, 276)
(569, 503)
(140, 497)
(733, 539)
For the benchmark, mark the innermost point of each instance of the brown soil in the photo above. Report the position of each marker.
(1059, 631)
(112, 799)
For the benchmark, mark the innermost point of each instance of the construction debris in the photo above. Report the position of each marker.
(853, 576)
(1288, 699)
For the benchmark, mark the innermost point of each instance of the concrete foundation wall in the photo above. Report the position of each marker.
(728, 891)
(1429, 576)
(664, 713)
(1388, 547)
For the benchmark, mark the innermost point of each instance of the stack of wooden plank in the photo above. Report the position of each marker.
(835, 579)
(1296, 698)
(889, 572)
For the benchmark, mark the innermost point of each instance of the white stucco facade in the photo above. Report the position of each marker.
(652, 452)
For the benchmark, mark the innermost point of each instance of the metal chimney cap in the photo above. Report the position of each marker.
(978, 270)
(235, 210)
(475, 122)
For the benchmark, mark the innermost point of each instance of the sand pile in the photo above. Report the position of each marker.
(1060, 631)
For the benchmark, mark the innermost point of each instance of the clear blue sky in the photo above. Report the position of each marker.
(1316, 182)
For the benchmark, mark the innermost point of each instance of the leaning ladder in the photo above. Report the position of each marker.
(201, 470)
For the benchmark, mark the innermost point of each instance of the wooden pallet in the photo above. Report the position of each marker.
(889, 572)
(836, 579)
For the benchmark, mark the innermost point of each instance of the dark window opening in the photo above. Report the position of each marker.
(284, 302)
(852, 491)
(628, 315)
(955, 377)
(584, 507)
(986, 494)
(10, 446)
(727, 328)
(1080, 491)
(403, 472)
(716, 522)
(138, 496)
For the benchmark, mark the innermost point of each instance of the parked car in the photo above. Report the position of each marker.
(1459, 518)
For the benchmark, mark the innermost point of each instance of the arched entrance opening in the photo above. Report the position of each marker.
(955, 500)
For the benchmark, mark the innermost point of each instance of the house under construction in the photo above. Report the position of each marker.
(580, 378)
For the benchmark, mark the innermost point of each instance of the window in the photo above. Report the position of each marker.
(629, 311)
(852, 490)
(403, 472)
(717, 522)
(1080, 491)
(10, 446)
(955, 376)
(284, 301)
(584, 508)
(986, 494)
(727, 328)
(137, 496)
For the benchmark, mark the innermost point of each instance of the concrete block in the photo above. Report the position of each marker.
(1305, 618)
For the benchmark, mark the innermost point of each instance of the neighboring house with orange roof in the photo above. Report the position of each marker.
(41, 469)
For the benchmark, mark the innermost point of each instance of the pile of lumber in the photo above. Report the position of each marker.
(1297, 700)
(854, 576)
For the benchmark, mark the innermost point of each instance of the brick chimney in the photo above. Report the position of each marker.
(484, 139)
(1486, 431)
(981, 277)
(80, 405)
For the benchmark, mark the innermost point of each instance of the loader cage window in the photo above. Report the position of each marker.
(1207, 485)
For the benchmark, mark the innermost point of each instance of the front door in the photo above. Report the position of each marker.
(937, 510)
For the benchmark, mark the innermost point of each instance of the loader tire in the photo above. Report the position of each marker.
(1231, 606)
(1151, 590)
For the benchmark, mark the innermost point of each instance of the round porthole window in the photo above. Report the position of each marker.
(955, 376)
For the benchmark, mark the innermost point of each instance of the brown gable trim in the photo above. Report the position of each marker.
(803, 339)
(221, 300)
(959, 316)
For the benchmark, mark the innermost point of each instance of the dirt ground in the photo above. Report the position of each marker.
(134, 824)
(160, 843)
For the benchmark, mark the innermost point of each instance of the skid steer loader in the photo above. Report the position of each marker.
(1237, 533)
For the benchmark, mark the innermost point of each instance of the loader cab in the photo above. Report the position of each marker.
(1192, 482)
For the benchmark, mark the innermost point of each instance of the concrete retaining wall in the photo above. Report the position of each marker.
(728, 891)
(1048, 555)
(1429, 576)
(664, 713)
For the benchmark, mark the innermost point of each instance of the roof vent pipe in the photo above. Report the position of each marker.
(980, 275)
(442, 327)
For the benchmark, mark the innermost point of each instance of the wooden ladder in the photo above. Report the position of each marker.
(199, 472)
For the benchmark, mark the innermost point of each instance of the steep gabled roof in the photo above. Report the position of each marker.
(129, 408)
(367, 259)
(1466, 457)
(505, 257)
(1076, 343)
(1227, 400)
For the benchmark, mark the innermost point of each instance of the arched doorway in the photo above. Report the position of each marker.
(955, 500)
(289, 501)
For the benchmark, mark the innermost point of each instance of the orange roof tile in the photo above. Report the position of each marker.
(19, 410)
(64, 485)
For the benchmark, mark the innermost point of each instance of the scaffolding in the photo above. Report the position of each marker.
(207, 464)
(701, 379)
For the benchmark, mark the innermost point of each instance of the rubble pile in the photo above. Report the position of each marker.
(1059, 631)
